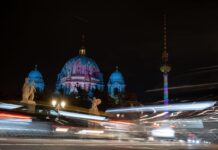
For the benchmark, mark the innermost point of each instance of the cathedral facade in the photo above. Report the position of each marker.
(81, 72)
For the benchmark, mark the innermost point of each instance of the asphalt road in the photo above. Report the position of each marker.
(84, 144)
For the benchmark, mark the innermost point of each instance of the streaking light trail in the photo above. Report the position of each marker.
(163, 132)
(172, 107)
(18, 116)
(82, 116)
(9, 106)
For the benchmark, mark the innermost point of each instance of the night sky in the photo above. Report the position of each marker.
(127, 34)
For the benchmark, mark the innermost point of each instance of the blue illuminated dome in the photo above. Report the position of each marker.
(36, 76)
(116, 76)
(116, 83)
(80, 71)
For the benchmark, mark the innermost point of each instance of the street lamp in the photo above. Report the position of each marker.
(63, 103)
(54, 102)
(58, 105)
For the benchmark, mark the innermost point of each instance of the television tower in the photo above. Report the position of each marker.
(165, 68)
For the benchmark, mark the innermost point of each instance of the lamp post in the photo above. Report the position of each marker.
(58, 105)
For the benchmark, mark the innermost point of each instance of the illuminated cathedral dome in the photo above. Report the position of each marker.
(116, 83)
(116, 76)
(80, 71)
(36, 76)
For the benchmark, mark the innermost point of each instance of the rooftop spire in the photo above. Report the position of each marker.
(83, 38)
(117, 68)
(36, 66)
(82, 50)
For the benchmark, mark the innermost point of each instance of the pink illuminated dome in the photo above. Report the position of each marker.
(80, 71)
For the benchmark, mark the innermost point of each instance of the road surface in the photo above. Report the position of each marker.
(84, 144)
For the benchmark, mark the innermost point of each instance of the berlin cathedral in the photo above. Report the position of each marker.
(83, 72)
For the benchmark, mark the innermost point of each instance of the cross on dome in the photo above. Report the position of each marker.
(117, 68)
(36, 66)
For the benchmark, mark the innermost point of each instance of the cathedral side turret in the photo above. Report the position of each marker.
(36, 76)
(116, 83)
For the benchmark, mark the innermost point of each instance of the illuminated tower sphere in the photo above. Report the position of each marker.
(36, 76)
(80, 72)
(116, 83)
(165, 68)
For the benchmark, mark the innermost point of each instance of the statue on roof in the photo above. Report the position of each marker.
(94, 108)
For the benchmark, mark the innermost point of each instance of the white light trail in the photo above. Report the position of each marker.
(9, 106)
(82, 116)
(90, 132)
(156, 116)
(172, 107)
(163, 132)
(61, 129)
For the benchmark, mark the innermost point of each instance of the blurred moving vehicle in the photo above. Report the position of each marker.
(45, 121)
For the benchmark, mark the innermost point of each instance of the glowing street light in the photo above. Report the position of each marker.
(63, 104)
(57, 104)
(54, 102)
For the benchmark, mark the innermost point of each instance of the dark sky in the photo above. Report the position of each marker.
(127, 34)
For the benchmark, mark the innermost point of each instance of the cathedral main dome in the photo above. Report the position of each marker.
(80, 71)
